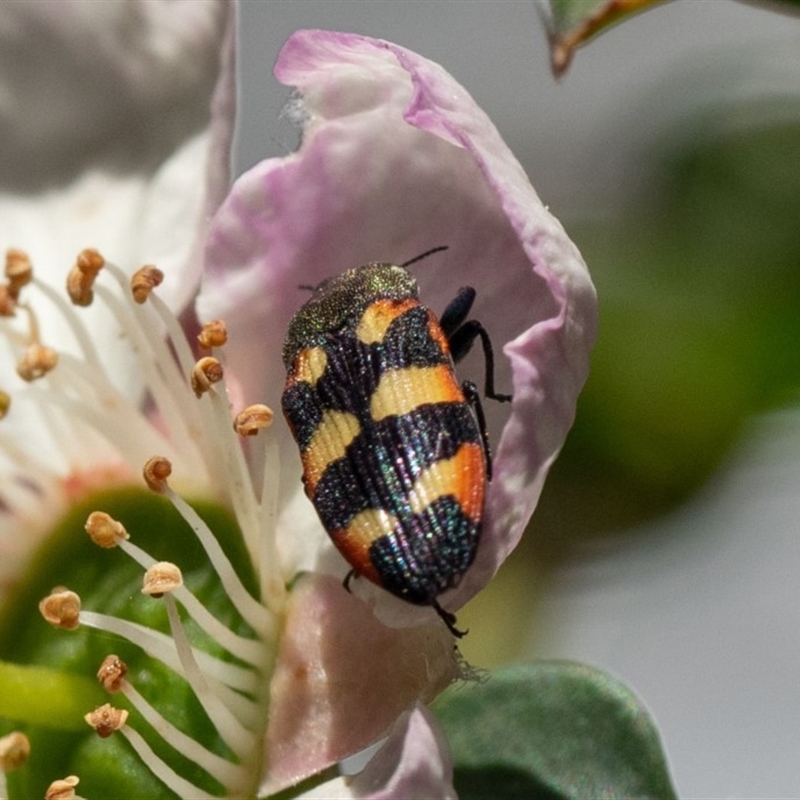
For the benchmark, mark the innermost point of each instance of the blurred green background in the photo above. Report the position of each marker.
(699, 292)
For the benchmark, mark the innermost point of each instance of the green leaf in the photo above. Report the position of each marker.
(552, 730)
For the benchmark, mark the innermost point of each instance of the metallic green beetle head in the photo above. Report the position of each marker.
(339, 302)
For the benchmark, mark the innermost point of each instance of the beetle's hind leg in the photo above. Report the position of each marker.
(449, 619)
(347, 578)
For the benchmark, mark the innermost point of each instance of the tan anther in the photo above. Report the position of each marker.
(89, 261)
(80, 280)
(8, 301)
(61, 608)
(5, 403)
(104, 530)
(161, 578)
(63, 789)
(14, 750)
(79, 287)
(36, 361)
(214, 334)
(249, 421)
(19, 269)
(111, 673)
(207, 371)
(106, 719)
(143, 282)
(155, 473)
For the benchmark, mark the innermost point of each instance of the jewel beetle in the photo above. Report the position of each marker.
(394, 449)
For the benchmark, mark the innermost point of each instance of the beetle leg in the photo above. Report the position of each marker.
(449, 619)
(461, 342)
(455, 314)
(473, 397)
(347, 578)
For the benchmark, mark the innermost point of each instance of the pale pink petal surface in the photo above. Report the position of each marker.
(397, 158)
(414, 761)
(342, 679)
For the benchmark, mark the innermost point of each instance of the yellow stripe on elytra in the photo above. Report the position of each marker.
(402, 390)
(329, 443)
(355, 540)
(377, 318)
(462, 476)
(310, 365)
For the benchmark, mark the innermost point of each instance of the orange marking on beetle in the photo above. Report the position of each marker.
(437, 334)
(354, 541)
(462, 477)
(331, 438)
(378, 316)
(402, 390)
(310, 365)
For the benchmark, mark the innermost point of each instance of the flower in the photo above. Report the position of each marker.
(120, 138)
(397, 158)
(292, 672)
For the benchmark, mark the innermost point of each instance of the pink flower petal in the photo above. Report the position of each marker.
(397, 158)
(342, 679)
(413, 762)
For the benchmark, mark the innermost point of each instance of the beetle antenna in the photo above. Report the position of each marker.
(424, 255)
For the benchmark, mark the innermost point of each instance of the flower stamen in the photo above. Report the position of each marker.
(63, 789)
(103, 529)
(180, 786)
(205, 442)
(156, 472)
(111, 673)
(8, 302)
(161, 375)
(18, 269)
(36, 362)
(161, 647)
(106, 719)
(207, 371)
(61, 608)
(112, 677)
(249, 421)
(161, 578)
(214, 334)
(206, 428)
(15, 748)
(81, 278)
(235, 735)
(143, 281)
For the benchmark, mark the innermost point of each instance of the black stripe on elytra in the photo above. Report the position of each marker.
(353, 370)
(427, 553)
(382, 463)
(408, 342)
